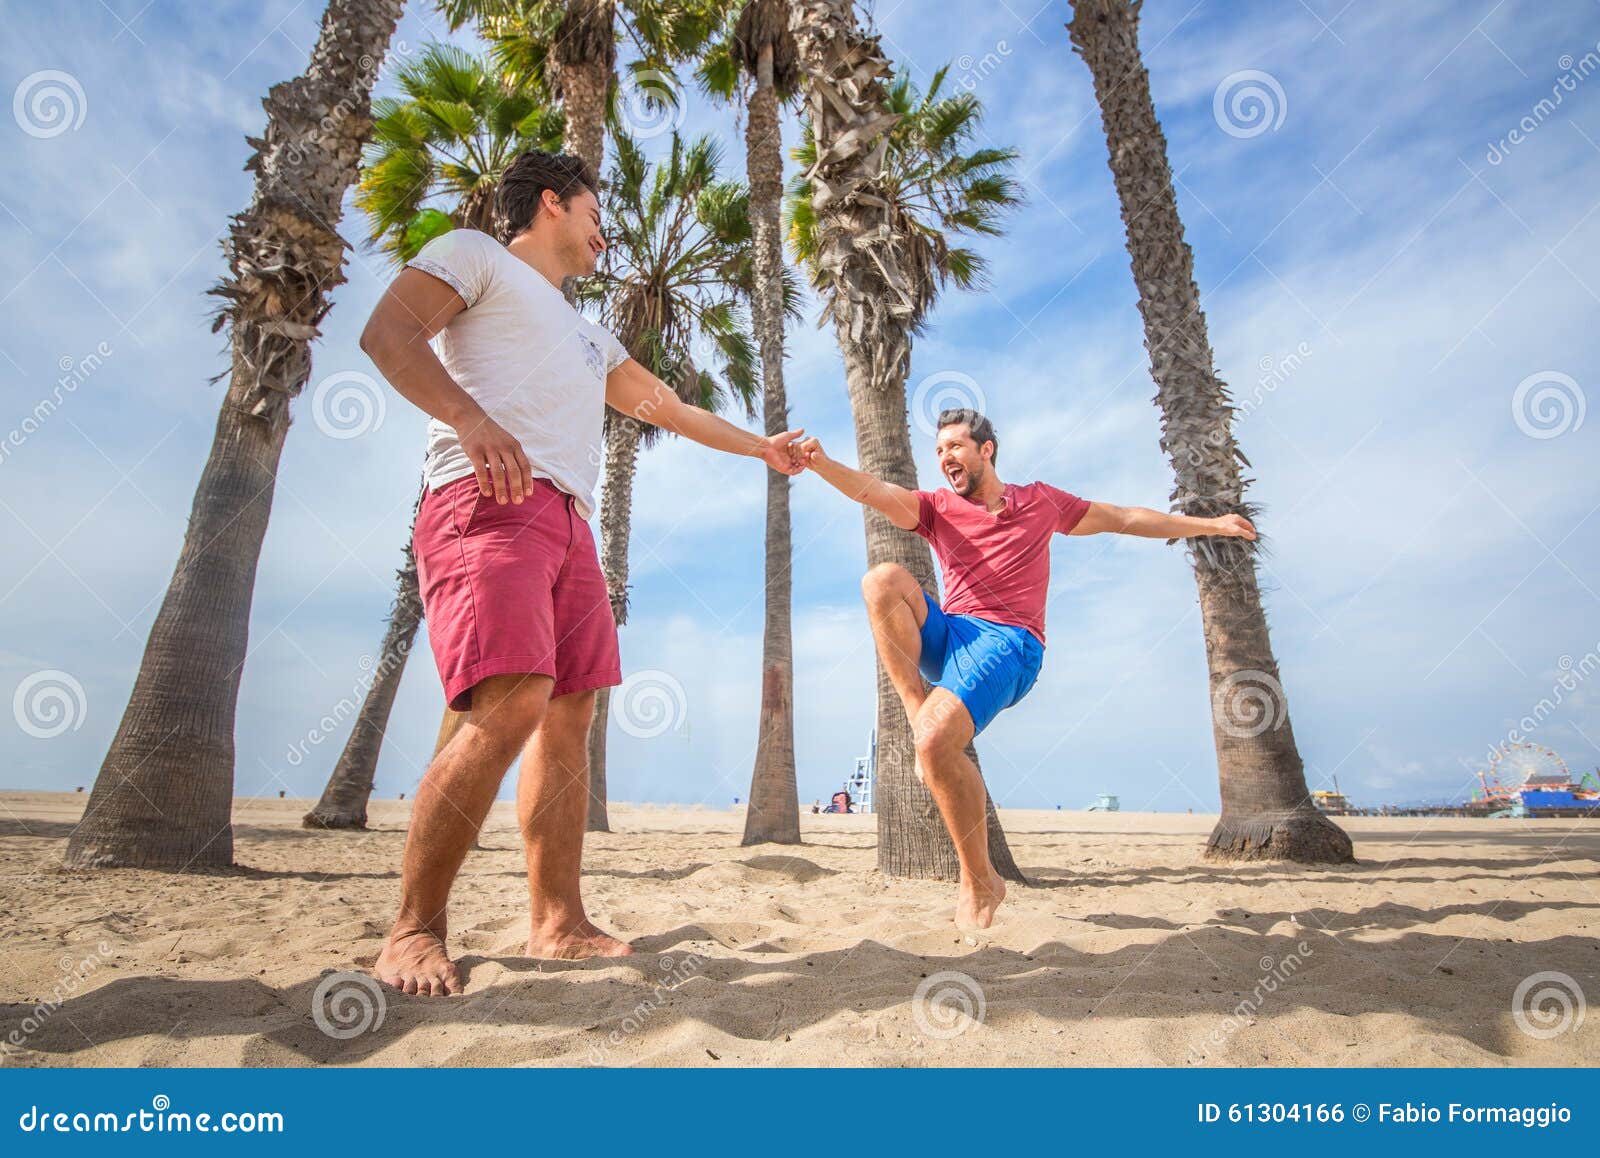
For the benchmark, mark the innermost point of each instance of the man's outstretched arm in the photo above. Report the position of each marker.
(1106, 518)
(896, 503)
(634, 392)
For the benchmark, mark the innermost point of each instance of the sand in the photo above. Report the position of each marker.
(1128, 950)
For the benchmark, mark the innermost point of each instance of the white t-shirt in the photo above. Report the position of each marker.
(535, 365)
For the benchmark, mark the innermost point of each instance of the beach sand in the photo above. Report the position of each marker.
(1128, 950)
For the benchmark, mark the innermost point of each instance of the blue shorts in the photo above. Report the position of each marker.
(988, 666)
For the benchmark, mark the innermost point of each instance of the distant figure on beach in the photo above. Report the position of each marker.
(518, 616)
(839, 803)
(982, 647)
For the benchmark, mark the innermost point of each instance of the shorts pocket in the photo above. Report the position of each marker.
(1031, 659)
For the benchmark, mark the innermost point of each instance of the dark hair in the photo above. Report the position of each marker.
(521, 189)
(981, 429)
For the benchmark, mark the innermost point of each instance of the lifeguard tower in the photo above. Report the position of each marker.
(859, 785)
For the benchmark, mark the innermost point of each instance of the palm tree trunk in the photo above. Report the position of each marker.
(1266, 809)
(164, 795)
(584, 57)
(860, 254)
(585, 105)
(449, 725)
(774, 810)
(344, 800)
(599, 819)
(616, 526)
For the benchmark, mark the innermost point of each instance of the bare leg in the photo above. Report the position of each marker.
(943, 728)
(897, 610)
(552, 805)
(452, 802)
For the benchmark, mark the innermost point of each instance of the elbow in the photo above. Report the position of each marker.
(371, 340)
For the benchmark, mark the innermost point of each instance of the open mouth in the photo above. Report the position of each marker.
(956, 475)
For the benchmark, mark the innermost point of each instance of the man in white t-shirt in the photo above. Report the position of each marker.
(516, 382)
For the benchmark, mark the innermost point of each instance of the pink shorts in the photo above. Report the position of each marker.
(513, 589)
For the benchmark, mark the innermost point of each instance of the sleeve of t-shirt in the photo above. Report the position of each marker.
(926, 513)
(1070, 509)
(462, 259)
(616, 353)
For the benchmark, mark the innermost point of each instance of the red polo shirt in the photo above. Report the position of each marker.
(997, 566)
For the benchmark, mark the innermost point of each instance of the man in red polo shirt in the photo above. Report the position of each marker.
(981, 648)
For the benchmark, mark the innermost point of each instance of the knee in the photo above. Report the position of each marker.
(567, 721)
(933, 765)
(509, 712)
(932, 739)
(885, 581)
(934, 734)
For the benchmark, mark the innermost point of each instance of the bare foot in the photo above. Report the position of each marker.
(415, 961)
(975, 908)
(575, 944)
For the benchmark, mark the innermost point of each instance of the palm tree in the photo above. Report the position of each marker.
(677, 276)
(568, 49)
(885, 183)
(344, 799)
(1266, 809)
(448, 141)
(761, 50)
(164, 795)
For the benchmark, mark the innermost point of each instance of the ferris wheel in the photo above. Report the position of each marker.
(1527, 766)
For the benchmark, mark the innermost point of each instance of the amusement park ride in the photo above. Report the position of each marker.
(1522, 780)
(1531, 780)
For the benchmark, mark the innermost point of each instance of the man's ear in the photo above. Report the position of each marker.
(549, 200)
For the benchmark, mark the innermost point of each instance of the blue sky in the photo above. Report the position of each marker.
(1394, 284)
